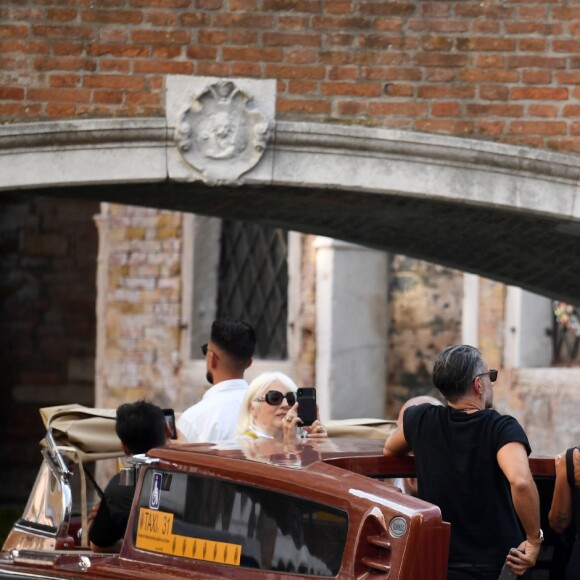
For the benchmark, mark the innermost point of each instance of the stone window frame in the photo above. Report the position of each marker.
(200, 260)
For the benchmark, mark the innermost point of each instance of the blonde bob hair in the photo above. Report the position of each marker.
(258, 387)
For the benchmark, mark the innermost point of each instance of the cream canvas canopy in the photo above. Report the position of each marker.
(82, 432)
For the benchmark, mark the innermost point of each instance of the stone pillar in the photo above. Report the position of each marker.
(528, 318)
(351, 330)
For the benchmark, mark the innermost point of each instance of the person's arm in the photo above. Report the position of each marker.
(396, 444)
(560, 516)
(513, 461)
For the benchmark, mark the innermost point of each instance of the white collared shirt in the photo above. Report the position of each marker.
(215, 417)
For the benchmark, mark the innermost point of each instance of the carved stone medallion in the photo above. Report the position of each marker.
(222, 133)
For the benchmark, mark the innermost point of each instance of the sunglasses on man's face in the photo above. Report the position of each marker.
(492, 375)
(276, 398)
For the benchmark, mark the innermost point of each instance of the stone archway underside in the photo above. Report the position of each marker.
(504, 212)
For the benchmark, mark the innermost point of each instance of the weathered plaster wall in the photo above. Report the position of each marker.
(425, 305)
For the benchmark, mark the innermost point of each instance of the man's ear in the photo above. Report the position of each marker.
(213, 360)
(126, 450)
(250, 363)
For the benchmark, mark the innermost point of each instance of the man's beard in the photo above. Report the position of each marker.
(209, 377)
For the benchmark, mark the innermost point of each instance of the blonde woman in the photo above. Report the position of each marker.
(269, 410)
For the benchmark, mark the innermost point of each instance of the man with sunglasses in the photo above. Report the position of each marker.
(472, 462)
(228, 354)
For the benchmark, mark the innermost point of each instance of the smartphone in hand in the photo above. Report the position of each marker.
(170, 418)
(306, 398)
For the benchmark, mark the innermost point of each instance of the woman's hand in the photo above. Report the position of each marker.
(290, 423)
(317, 429)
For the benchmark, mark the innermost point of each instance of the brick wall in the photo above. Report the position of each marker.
(47, 324)
(503, 71)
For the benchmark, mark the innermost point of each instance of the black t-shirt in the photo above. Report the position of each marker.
(113, 514)
(457, 469)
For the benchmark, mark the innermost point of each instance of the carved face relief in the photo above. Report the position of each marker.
(222, 134)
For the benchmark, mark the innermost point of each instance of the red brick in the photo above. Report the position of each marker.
(351, 108)
(243, 4)
(446, 91)
(494, 92)
(160, 37)
(17, 111)
(353, 89)
(68, 48)
(303, 87)
(335, 57)
(129, 83)
(212, 36)
(60, 110)
(343, 73)
(163, 67)
(14, 30)
(388, 25)
(252, 54)
(459, 127)
(494, 110)
(441, 43)
(208, 4)
(11, 93)
(61, 14)
(442, 60)
(288, 39)
(161, 18)
(474, 75)
(124, 50)
(59, 95)
(572, 46)
(540, 27)
(486, 127)
(61, 31)
(244, 37)
(114, 66)
(312, 6)
(338, 39)
(288, 22)
(538, 128)
(300, 56)
(490, 61)
(568, 77)
(440, 75)
(411, 109)
(565, 145)
(164, 52)
(12, 64)
(216, 69)
(492, 10)
(25, 47)
(202, 52)
(547, 111)
(402, 8)
(446, 109)
(532, 44)
(112, 34)
(537, 77)
(142, 99)
(482, 44)
(294, 72)
(110, 97)
(485, 27)
(552, 94)
(246, 69)
(64, 80)
(535, 61)
(194, 20)
(338, 6)
(167, 4)
(399, 90)
(572, 111)
(113, 16)
(449, 26)
(240, 20)
(303, 106)
(64, 63)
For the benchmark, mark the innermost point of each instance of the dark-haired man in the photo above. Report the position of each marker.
(140, 426)
(228, 354)
(472, 462)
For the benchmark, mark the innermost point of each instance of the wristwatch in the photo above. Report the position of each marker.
(536, 541)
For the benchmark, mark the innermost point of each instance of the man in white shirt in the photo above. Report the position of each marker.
(228, 354)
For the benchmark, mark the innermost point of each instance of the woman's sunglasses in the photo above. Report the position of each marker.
(276, 398)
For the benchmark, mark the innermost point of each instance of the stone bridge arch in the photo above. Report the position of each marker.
(502, 211)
